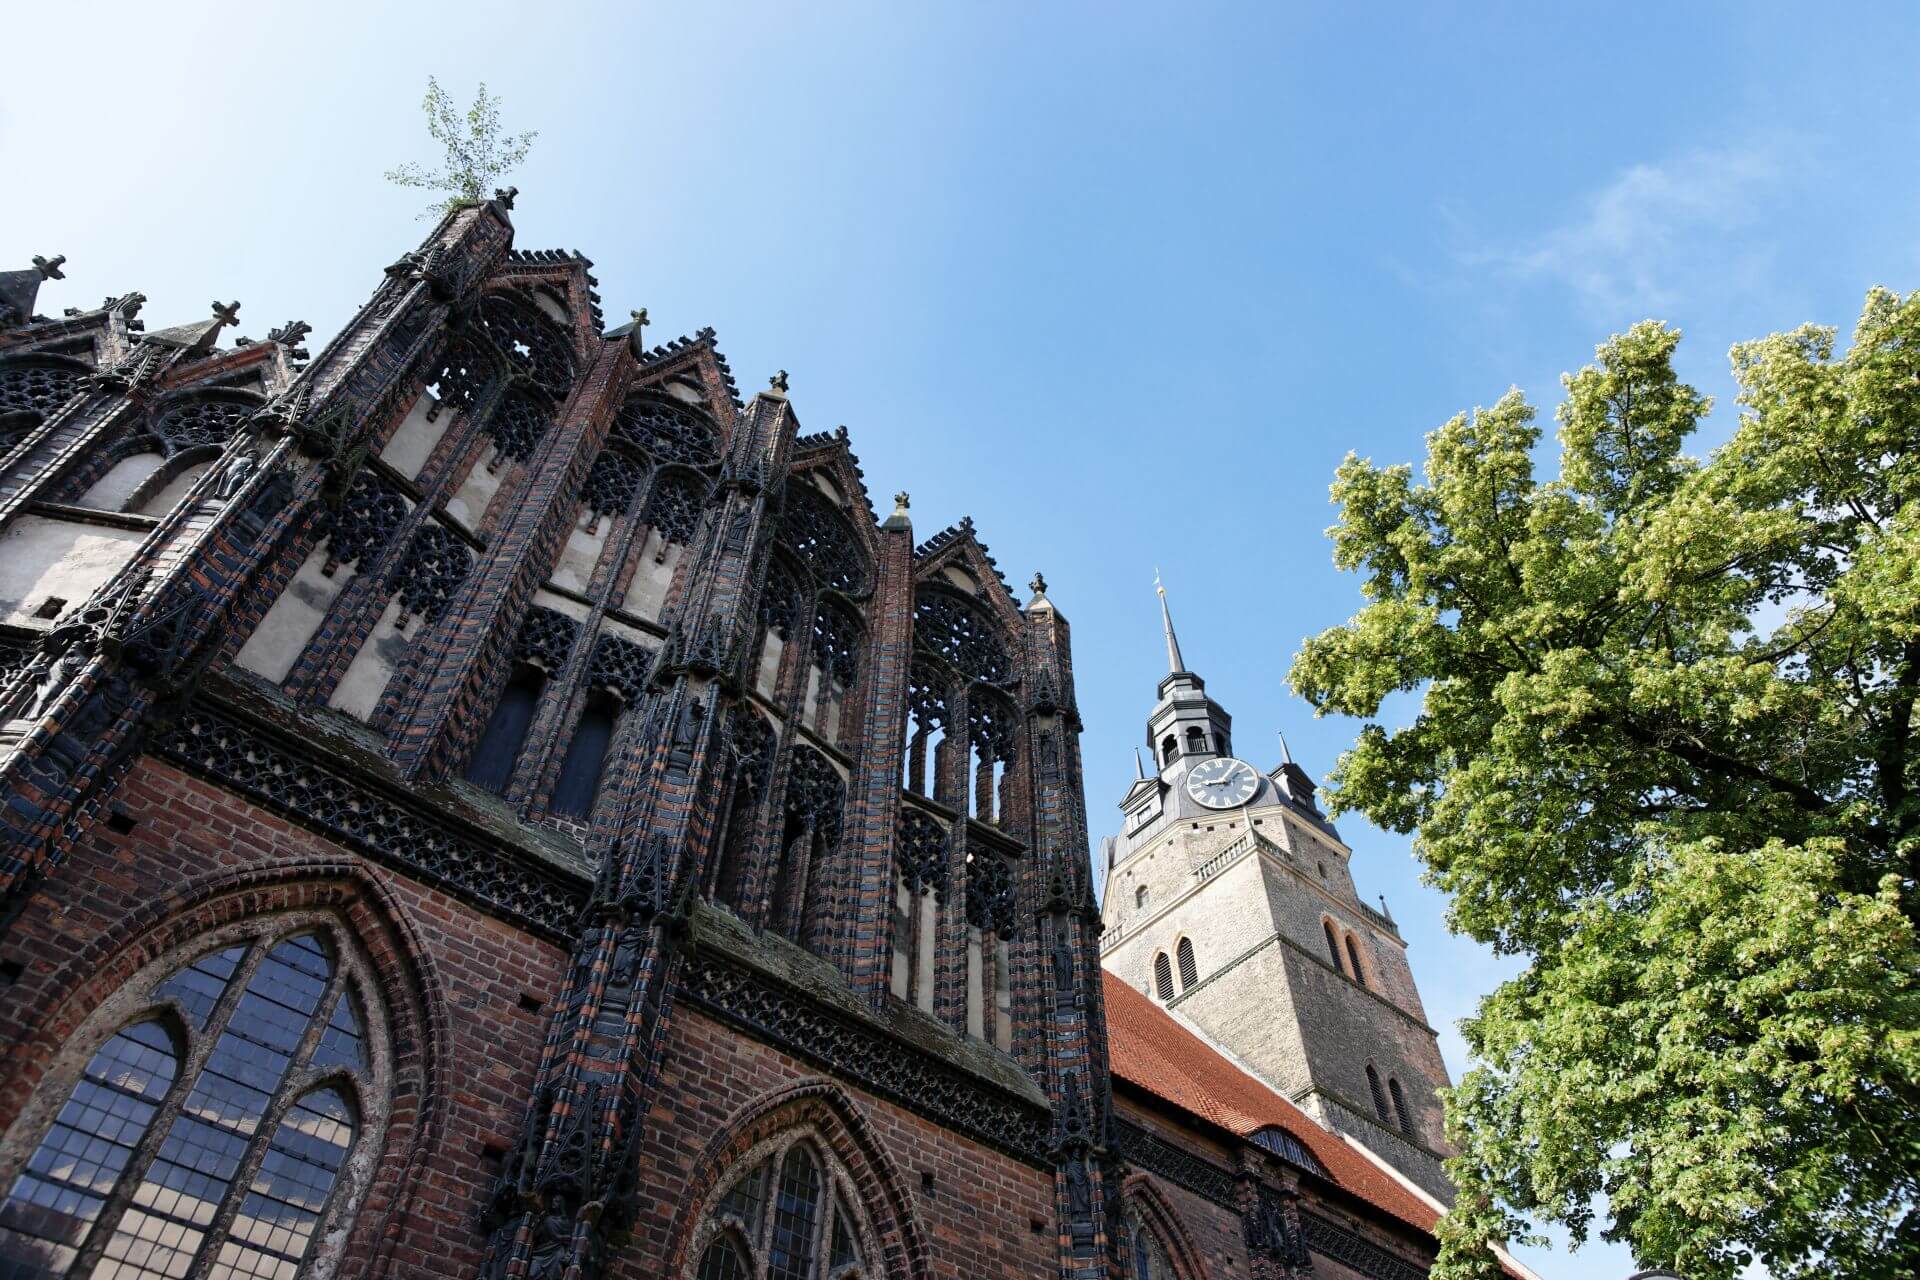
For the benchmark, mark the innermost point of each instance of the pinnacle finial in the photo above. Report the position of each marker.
(639, 318)
(1286, 756)
(1175, 663)
(229, 314)
(779, 381)
(1139, 770)
(505, 196)
(900, 500)
(1039, 583)
(49, 268)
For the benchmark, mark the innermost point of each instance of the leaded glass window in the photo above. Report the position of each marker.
(789, 1216)
(207, 1136)
(1149, 1259)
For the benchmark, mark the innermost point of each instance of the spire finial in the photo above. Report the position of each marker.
(779, 382)
(1174, 662)
(1286, 756)
(49, 268)
(1139, 770)
(228, 314)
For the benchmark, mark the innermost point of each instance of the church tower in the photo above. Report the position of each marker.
(1230, 901)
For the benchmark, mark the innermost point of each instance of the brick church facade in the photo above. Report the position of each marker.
(486, 799)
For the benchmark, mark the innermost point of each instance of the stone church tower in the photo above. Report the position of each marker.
(1230, 900)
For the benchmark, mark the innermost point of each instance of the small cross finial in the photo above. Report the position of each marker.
(1039, 583)
(49, 268)
(228, 314)
(779, 381)
(504, 196)
(900, 500)
(639, 318)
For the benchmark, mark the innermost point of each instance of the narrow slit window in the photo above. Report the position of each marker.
(1353, 955)
(1162, 976)
(1400, 1106)
(494, 756)
(586, 759)
(1379, 1095)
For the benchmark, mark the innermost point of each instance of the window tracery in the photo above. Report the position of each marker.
(209, 1133)
(836, 641)
(611, 484)
(670, 431)
(532, 345)
(620, 667)
(200, 421)
(1149, 1258)
(517, 425)
(990, 896)
(780, 600)
(824, 539)
(789, 1216)
(674, 508)
(464, 372)
(960, 632)
(30, 391)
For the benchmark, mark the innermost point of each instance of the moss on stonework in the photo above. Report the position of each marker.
(774, 957)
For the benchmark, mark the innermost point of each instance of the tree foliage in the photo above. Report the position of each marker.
(1666, 751)
(477, 153)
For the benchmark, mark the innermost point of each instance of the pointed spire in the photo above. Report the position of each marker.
(1139, 770)
(1286, 756)
(1174, 662)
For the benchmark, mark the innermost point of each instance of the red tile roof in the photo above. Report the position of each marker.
(1152, 1051)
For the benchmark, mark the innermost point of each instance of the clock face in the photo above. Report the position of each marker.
(1223, 783)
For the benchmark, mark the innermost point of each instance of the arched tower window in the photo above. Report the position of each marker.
(1162, 975)
(1379, 1095)
(206, 1136)
(1353, 955)
(1140, 898)
(1333, 944)
(789, 1216)
(1196, 740)
(1399, 1106)
(1189, 968)
(1169, 749)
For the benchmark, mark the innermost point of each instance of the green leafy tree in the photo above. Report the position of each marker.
(1666, 751)
(478, 154)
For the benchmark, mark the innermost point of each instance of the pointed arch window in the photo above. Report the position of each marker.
(1353, 955)
(1162, 976)
(1333, 944)
(1189, 967)
(1379, 1095)
(790, 1216)
(1400, 1106)
(208, 1134)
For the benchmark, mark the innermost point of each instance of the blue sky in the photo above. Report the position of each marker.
(1122, 282)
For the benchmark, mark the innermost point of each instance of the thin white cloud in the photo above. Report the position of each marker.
(1655, 234)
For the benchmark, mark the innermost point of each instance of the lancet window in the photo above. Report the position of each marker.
(1149, 1258)
(540, 651)
(809, 837)
(992, 915)
(750, 748)
(921, 881)
(836, 661)
(211, 1133)
(993, 739)
(927, 718)
(789, 1215)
